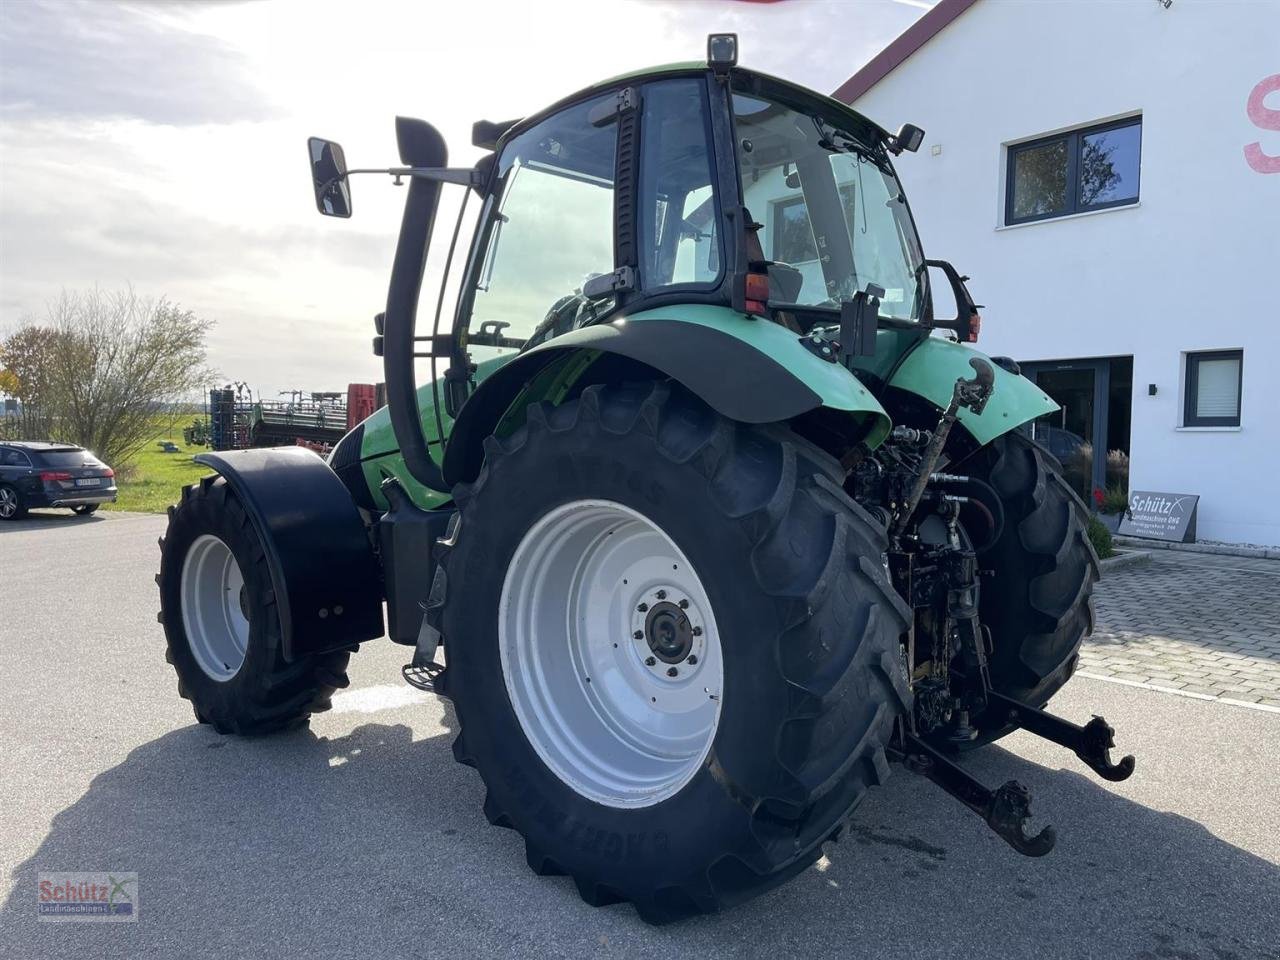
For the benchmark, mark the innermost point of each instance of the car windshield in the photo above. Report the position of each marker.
(834, 218)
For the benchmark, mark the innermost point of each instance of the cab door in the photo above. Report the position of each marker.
(547, 230)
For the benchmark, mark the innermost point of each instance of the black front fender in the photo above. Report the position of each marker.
(325, 575)
(730, 375)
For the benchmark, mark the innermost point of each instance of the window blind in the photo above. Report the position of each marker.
(1218, 387)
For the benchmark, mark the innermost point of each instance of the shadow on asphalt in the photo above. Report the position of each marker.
(373, 845)
(40, 519)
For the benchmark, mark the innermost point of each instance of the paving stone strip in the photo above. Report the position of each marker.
(1198, 623)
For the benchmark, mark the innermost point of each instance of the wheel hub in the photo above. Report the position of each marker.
(668, 632)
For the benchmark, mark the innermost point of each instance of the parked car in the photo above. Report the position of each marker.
(41, 473)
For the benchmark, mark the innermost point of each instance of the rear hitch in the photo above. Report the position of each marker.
(1005, 810)
(1092, 743)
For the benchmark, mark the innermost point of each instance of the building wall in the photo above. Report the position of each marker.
(1194, 266)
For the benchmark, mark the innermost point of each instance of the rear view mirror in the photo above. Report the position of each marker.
(909, 137)
(329, 177)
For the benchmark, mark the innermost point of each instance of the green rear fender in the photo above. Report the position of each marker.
(748, 369)
(931, 370)
(834, 386)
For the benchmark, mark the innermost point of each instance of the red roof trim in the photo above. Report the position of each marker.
(911, 40)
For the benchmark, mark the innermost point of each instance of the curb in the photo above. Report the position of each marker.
(1124, 558)
(1223, 549)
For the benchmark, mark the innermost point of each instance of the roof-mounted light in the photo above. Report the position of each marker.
(722, 51)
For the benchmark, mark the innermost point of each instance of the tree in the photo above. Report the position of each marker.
(24, 356)
(1098, 173)
(102, 365)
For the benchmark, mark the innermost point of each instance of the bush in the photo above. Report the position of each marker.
(1115, 499)
(1100, 537)
(1118, 469)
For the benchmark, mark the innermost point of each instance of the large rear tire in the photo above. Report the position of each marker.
(218, 608)
(1039, 603)
(546, 648)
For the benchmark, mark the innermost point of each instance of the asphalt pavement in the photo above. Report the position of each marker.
(361, 837)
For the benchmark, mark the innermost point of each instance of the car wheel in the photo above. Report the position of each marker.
(85, 509)
(11, 506)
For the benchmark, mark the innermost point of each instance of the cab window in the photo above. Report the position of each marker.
(834, 216)
(679, 240)
(550, 229)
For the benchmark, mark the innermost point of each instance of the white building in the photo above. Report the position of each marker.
(1109, 175)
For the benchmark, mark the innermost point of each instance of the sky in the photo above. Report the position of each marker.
(161, 144)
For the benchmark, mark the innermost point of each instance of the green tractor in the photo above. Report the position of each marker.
(709, 516)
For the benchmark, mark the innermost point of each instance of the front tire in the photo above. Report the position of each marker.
(85, 509)
(1039, 603)
(218, 608)
(800, 640)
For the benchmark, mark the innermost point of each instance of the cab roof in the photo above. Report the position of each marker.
(833, 109)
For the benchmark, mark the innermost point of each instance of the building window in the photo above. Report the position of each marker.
(1087, 169)
(1213, 389)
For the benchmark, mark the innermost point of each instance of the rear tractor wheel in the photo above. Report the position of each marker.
(672, 648)
(218, 608)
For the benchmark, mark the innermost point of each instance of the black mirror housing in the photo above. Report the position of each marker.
(329, 177)
(909, 137)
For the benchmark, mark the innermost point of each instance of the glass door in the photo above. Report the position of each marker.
(1077, 432)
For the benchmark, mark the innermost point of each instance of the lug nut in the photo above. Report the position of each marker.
(662, 594)
(672, 672)
(697, 631)
(638, 635)
(693, 658)
(649, 661)
(684, 604)
(643, 607)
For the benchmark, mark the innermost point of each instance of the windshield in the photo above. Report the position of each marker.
(68, 457)
(833, 215)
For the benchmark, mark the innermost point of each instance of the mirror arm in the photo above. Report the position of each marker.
(467, 177)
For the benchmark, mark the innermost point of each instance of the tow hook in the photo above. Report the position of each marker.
(1005, 810)
(1092, 743)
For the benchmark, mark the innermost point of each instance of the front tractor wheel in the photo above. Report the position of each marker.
(1038, 602)
(218, 608)
(672, 648)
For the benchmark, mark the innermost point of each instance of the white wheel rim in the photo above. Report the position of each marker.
(596, 701)
(212, 614)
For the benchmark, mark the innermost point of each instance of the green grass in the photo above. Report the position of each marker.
(154, 479)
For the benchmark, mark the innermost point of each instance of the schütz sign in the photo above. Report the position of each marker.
(1161, 516)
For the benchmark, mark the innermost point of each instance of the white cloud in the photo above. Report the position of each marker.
(163, 144)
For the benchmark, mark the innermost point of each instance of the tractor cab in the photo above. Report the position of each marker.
(708, 192)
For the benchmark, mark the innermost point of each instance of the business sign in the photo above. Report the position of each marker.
(1160, 516)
